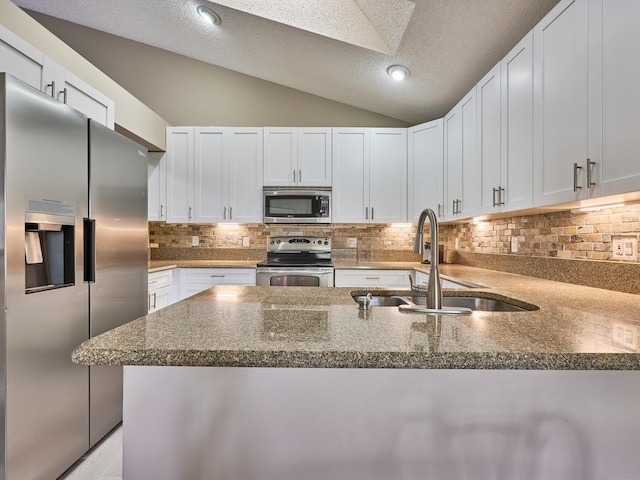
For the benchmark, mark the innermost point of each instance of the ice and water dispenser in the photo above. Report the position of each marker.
(49, 244)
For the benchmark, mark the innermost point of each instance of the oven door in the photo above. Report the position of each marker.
(294, 277)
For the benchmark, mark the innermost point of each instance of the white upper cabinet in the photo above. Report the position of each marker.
(369, 175)
(210, 175)
(460, 166)
(388, 175)
(490, 182)
(157, 186)
(614, 97)
(425, 172)
(214, 174)
(180, 179)
(297, 157)
(517, 126)
(560, 104)
(244, 168)
(350, 175)
(27, 64)
(23, 61)
(81, 96)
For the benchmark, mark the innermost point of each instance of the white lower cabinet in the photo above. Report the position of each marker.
(160, 292)
(371, 278)
(196, 280)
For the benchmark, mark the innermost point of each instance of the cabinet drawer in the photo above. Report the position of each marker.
(196, 280)
(160, 279)
(372, 278)
(218, 276)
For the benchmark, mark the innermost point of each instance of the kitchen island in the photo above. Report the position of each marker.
(262, 382)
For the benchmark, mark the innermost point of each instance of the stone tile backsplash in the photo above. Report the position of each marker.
(564, 235)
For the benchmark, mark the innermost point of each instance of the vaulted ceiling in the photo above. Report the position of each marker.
(336, 49)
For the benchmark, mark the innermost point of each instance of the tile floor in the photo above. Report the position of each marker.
(103, 462)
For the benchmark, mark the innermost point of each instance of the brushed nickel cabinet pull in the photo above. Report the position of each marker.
(294, 175)
(366, 213)
(63, 92)
(230, 213)
(372, 213)
(576, 168)
(495, 203)
(53, 88)
(501, 191)
(300, 176)
(590, 165)
(224, 213)
(161, 210)
(190, 213)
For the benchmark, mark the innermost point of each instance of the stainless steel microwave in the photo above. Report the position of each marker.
(297, 205)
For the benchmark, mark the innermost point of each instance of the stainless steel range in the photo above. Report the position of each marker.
(296, 262)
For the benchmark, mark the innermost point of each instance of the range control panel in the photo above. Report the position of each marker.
(298, 244)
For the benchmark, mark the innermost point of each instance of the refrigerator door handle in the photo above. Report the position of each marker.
(89, 250)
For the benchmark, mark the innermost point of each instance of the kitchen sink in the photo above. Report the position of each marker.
(488, 303)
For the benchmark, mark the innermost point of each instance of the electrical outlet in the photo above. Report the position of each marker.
(625, 335)
(456, 243)
(245, 241)
(352, 242)
(624, 248)
(195, 240)
(514, 244)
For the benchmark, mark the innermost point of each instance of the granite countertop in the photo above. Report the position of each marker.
(575, 328)
(159, 265)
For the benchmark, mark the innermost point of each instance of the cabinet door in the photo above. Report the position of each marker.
(350, 175)
(425, 176)
(461, 179)
(560, 103)
(280, 156)
(210, 175)
(452, 162)
(488, 143)
(245, 163)
(372, 278)
(517, 125)
(388, 175)
(314, 157)
(614, 97)
(23, 61)
(469, 191)
(81, 96)
(180, 158)
(157, 186)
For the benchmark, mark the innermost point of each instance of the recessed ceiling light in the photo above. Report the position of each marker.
(398, 72)
(208, 15)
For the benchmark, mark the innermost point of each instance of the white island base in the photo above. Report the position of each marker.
(208, 423)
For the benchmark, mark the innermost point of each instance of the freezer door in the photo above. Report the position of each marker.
(118, 205)
(43, 147)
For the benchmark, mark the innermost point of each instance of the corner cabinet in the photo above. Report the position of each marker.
(19, 59)
(425, 176)
(214, 175)
(297, 157)
(369, 175)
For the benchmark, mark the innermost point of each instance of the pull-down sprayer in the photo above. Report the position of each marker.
(434, 286)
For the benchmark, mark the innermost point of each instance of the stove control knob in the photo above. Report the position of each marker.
(326, 242)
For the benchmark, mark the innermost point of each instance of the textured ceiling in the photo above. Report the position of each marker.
(447, 44)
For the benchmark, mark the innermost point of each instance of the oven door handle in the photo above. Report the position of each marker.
(295, 271)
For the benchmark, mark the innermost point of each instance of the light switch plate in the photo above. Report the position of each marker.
(245, 241)
(195, 240)
(624, 247)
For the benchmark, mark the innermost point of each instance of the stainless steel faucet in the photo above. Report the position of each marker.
(434, 286)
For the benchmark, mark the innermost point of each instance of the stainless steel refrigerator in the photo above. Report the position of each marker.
(74, 251)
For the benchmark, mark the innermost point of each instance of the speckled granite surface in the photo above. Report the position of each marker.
(575, 328)
(158, 265)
